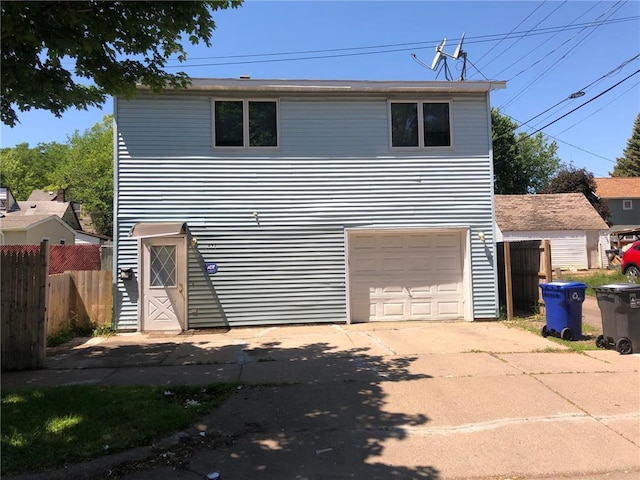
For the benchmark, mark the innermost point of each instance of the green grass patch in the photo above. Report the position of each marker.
(48, 428)
(597, 279)
(60, 337)
(535, 323)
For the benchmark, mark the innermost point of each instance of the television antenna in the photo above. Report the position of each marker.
(441, 57)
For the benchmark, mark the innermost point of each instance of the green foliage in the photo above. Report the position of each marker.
(51, 427)
(597, 279)
(578, 180)
(87, 173)
(522, 164)
(103, 331)
(115, 45)
(83, 167)
(24, 169)
(61, 337)
(629, 164)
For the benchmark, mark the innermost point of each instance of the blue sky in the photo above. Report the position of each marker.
(544, 50)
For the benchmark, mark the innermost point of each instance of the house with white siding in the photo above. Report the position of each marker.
(578, 235)
(245, 202)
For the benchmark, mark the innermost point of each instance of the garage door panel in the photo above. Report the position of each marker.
(391, 242)
(391, 265)
(422, 309)
(449, 309)
(408, 276)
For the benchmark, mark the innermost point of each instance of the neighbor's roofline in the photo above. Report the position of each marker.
(336, 86)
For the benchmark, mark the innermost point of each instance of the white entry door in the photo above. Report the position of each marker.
(163, 284)
(406, 275)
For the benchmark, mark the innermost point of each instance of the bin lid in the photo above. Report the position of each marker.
(618, 287)
(560, 285)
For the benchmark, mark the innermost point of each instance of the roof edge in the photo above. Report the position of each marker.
(335, 86)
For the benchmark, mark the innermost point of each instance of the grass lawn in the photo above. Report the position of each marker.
(535, 323)
(596, 278)
(47, 428)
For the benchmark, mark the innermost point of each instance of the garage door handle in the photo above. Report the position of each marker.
(409, 291)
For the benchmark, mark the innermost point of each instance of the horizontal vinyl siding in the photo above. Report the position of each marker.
(568, 248)
(287, 265)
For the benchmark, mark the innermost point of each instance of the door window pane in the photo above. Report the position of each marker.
(404, 124)
(263, 126)
(436, 124)
(163, 266)
(228, 123)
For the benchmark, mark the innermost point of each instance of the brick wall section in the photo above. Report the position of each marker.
(64, 258)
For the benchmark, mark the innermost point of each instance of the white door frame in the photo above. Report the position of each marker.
(466, 261)
(176, 294)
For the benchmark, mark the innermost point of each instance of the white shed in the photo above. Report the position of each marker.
(579, 236)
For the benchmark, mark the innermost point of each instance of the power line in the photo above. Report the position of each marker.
(582, 90)
(599, 109)
(531, 29)
(587, 102)
(545, 72)
(537, 48)
(382, 49)
(507, 36)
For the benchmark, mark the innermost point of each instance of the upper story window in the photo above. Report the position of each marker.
(420, 124)
(245, 123)
(627, 204)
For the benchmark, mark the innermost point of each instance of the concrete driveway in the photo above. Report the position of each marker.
(375, 401)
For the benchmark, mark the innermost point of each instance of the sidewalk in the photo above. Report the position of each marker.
(389, 400)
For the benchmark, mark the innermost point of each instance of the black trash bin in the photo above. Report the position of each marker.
(563, 305)
(620, 310)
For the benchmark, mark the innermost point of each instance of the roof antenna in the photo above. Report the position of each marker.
(441, 56)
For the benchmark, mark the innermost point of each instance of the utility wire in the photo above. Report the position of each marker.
(581, 90)
(517, 41)
(389, 48)
(507, 36)
(545, 72)
(587, 102)
(599, 109)
(537, 48)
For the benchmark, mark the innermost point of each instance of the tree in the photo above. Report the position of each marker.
(573, 180)
(521, 163)
(24, 169)
(629, 164)
(87, 173)
(114, 44)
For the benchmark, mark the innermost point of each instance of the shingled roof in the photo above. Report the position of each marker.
(558, 211)
(618, 187)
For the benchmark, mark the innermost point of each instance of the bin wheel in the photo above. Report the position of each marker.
(623, 346)
(601, 342)
(566, 334)
(545, 332)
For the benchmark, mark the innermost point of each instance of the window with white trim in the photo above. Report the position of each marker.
(627, 204)
(420, 124)
(245, 123)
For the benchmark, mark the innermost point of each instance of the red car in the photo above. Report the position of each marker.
(631, 262)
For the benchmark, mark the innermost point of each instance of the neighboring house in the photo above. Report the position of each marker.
(7, 202)
(578, 235)
(622, 196)
(83, 238)
(32, 229)
(41, 202)
(253, 202)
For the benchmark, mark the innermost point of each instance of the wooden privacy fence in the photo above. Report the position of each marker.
(23, 305)
(521, 267)
(79, 299)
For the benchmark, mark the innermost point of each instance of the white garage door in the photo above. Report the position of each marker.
(405, 276)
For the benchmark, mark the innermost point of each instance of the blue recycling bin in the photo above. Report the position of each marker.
(563, 302)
